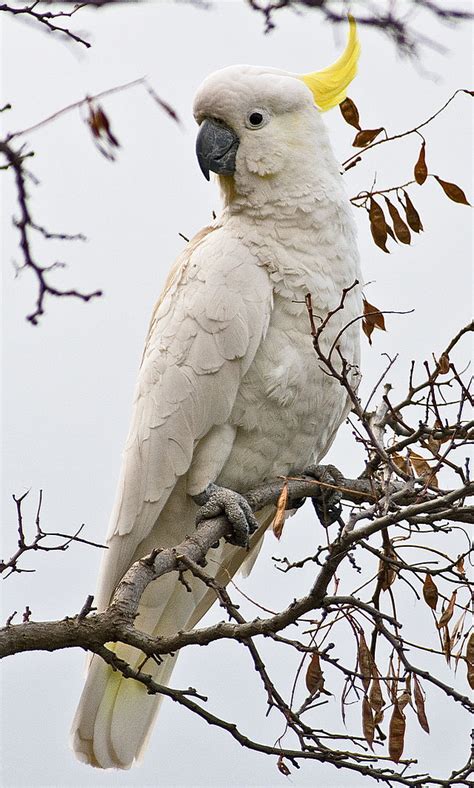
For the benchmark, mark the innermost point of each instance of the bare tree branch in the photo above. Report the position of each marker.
(15, 160)
(388, 499)
(11, 565)
(46, 19)
(25, 224)
(391, 17)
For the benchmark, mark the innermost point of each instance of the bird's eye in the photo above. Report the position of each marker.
(257, 118)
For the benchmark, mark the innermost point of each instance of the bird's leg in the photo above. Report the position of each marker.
(327, 502)
(217, 500)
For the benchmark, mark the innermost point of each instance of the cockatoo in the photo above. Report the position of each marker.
(230, 392)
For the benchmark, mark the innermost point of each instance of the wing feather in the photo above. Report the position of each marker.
(203, 336)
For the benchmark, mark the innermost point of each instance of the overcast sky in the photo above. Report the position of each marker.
(67, 384)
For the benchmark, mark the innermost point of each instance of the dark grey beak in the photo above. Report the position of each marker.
(216, 147)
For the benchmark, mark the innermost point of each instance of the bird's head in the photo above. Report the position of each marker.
(256, 123)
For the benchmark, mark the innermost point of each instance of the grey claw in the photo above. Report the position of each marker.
(327, 503)
(220, 500)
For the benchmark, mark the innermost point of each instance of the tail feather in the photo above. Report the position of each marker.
(101, 687)
(115, 715)
(103, 753)
(134, 713)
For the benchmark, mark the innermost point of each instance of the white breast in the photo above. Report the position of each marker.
(288, 410)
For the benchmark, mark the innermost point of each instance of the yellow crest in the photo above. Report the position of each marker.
(329, 85)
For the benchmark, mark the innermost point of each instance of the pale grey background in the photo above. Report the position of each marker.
(67, 384)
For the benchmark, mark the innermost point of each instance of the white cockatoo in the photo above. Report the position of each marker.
(230, 392)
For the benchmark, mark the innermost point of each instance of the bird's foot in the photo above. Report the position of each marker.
(217, 500)
(327, 503)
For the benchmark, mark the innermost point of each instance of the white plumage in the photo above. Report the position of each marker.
(229, 389)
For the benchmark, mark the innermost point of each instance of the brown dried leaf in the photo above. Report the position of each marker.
(470, 660)
(413, 217)
(422, 468)
(443, 364)
(460, 565)
(430, 592)
(391, 233)
(373, 318)
(365, 137)
(368, 724)
(452, 191)
(314, 676)
(387, 572)
(378, 225)
(280, 514)
(420, 705)
(392, 685)
(419, 464)
(376, 700)
(403, 699)
(367, 331)
(401, 230)
(282, 767)
(100, 125)
(447, 614)
(350, 113)
(396, 736)
(447, 644)
(366, 662)
(108, 131)
(95, 121)
(387, 575)
(374, 314)
(421, 170)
